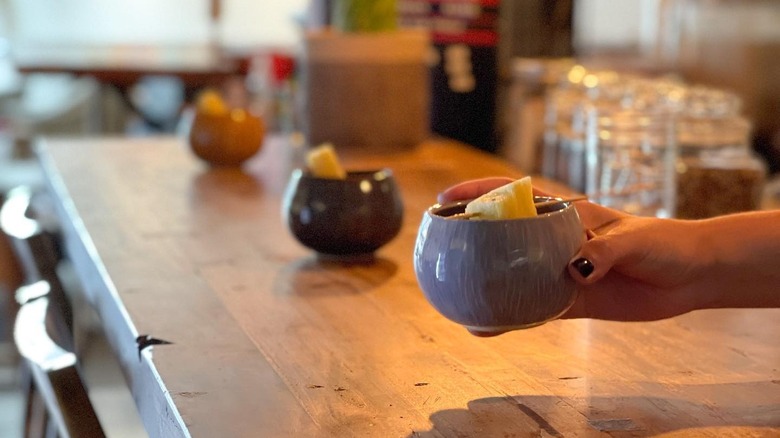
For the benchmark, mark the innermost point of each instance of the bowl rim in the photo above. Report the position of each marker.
(431, 211)
(351, 174)
(230, 115)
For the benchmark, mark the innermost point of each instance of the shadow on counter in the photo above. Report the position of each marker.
(717, 414)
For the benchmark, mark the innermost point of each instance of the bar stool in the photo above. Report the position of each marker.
(57, 400)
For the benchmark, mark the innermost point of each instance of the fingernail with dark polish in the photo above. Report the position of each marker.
(583, 266)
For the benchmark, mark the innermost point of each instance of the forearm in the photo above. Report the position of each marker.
(743, 256)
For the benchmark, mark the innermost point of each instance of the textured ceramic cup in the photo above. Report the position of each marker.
(343, 218)
(498, 275)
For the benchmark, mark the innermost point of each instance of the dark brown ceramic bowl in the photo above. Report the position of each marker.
(351, 217)
(498, 275)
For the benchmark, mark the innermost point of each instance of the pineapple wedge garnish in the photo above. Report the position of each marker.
(210, 102)
(324, 163)
(511, 201)
(492, 206)
(523, 192)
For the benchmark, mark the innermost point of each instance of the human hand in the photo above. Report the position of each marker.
(636, 268)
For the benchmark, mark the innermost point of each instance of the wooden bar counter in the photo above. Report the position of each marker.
(269, 341)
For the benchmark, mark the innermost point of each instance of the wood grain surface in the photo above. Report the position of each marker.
(270, 341)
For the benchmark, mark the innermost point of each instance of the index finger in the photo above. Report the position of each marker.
(472, 189)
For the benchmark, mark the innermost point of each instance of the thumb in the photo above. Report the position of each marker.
(597, 256)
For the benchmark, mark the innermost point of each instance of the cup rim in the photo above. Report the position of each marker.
(432, 211)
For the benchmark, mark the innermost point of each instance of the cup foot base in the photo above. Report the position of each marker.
(347, 258)
(498, 329)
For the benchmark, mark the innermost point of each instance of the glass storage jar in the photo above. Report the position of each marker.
(531, 81)
(561, 103)
(630, 160)
(717, 172)
(564, 150)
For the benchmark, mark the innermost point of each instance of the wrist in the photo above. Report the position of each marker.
(739, 256)
(705, 254)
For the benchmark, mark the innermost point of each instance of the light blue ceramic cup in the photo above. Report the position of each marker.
(498, 275)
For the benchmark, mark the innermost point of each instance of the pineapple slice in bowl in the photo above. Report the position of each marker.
(323, 162)
(511, 201)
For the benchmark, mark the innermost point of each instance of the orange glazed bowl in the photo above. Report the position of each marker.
(226, 139)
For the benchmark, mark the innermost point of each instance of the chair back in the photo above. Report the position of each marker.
(43, 331)
(54, 370)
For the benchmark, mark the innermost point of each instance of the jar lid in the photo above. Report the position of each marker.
(728, 160)
(713, 132)
(707, 102)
